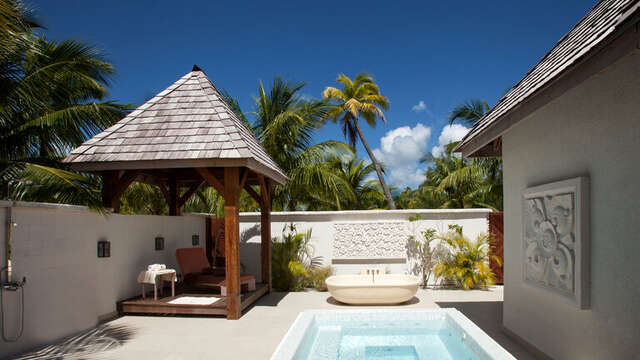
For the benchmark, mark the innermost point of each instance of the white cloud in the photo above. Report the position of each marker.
(449, 134)
(421, 106)
(400, 150)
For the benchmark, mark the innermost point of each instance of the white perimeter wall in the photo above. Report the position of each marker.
(70, 289)
(593, 130)
(473, 221)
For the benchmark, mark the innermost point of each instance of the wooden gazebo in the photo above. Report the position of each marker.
(185, 137)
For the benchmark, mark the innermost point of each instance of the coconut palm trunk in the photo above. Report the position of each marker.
(383, 183)
(358, 98)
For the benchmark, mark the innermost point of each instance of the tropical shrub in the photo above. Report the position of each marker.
(317, 277)
(292, 259)
(423, 251)
(467, 261)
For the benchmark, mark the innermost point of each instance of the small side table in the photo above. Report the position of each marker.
(152, 276)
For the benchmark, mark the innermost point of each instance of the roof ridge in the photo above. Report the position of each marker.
(209, 99)
(247, 135)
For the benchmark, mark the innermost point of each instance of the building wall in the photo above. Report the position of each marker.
(593, 130)
(68, 288)
(323, 225)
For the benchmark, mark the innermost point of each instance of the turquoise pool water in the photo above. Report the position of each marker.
(391, 340)
(376, 334)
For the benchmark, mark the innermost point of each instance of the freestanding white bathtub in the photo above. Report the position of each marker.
(368, 289)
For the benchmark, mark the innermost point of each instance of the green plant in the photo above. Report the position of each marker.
(466, 261)
(285, 122)
(52, 98)
(354, 190)
(358, 98)
(292, 258)
(318, 276)
(422, 250)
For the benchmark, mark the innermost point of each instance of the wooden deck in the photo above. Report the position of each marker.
(162, 306)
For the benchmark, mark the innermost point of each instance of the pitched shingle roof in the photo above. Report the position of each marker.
(188, 124)
(605, 17)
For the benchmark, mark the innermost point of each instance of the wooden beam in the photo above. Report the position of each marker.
(189, 193)
(212, 179)
(265, 189)
(210, 238)
(124, 181)
(243, 179)
(232, 240)
(174, 210)
(109, 183)
(163, 189)
(265, 233)
(253, 194)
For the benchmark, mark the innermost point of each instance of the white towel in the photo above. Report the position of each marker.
(192, 300)
(156, 267)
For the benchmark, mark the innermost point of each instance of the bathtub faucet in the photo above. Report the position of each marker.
(373, 275)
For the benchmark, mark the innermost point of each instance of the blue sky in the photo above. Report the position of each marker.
(426, 56)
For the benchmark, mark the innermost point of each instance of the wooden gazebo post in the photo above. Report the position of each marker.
(182, 138)
(265, 230)
(232, 241)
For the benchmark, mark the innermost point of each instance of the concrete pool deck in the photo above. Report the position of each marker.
(257, 333)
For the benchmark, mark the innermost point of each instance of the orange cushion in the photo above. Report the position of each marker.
(192, 261)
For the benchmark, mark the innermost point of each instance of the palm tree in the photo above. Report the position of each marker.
(457, 183)
(469, 112)
(51, 101)
(15, 21)
(454, 182)
(355, 191)
(489, 169)
(360, 97)
(285, 123)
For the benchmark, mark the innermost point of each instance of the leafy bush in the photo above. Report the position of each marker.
(317, 277)
(292, 259)
(466, 261)
(422, 250)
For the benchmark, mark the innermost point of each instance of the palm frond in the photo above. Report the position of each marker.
(469, 112)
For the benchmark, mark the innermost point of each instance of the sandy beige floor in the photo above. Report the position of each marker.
(256, 334)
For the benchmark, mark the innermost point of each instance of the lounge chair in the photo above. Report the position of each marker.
(197, 272)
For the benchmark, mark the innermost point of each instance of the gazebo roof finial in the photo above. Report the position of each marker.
(196, 68)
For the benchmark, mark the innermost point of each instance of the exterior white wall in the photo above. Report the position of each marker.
(70, 289)
(473, 221)
(593, 130)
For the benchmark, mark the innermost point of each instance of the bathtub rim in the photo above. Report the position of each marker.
(416, 282)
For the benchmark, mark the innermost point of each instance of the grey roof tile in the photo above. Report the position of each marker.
(188, 120)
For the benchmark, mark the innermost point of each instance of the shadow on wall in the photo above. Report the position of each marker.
(251, 250)
(84, 345)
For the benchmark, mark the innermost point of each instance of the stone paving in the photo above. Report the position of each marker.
(257, 333)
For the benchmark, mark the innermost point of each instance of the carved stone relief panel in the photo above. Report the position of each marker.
(555, 238)
(363, 240)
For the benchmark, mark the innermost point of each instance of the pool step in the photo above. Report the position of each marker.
(327, 343)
